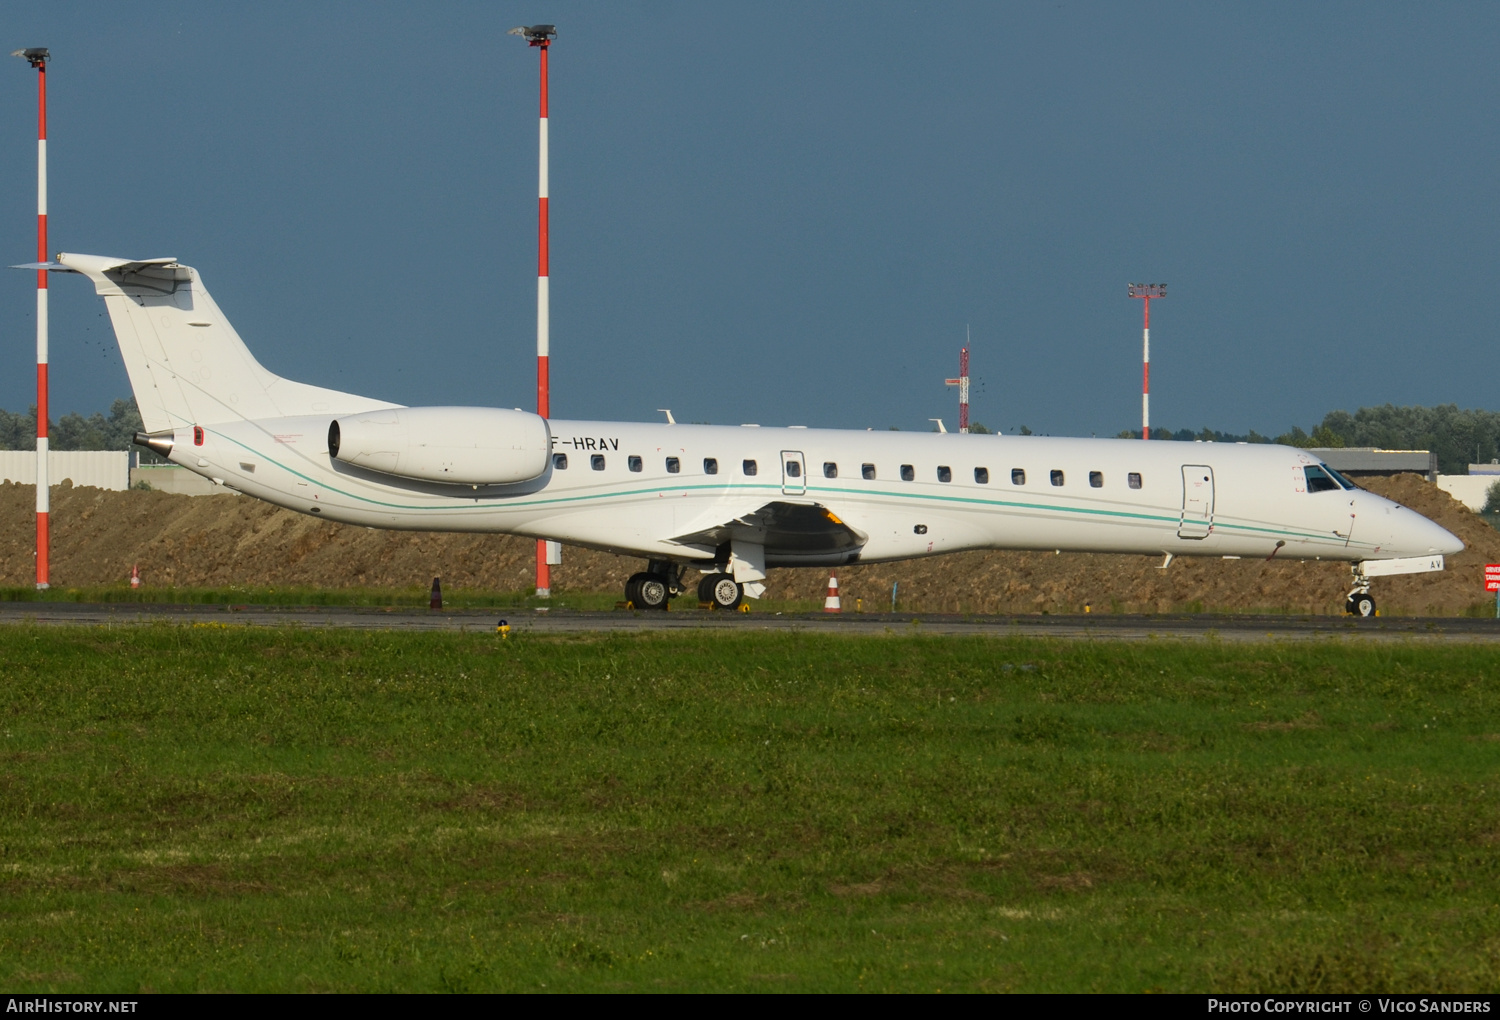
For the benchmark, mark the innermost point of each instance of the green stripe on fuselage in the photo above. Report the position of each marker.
(770, 489)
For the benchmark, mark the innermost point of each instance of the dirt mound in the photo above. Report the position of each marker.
(212, 541)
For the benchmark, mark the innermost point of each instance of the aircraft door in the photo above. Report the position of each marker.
(1197, 501)
(793, 473)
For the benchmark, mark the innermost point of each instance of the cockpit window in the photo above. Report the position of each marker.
(1338, 477)
(1318, 480)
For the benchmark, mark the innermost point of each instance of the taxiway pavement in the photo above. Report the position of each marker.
(528, 621)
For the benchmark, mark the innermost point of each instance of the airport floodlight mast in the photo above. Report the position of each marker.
(541, 37)
(962, 382)
(1146, 292)
(38, 58)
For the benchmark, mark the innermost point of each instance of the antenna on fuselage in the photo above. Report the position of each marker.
(668, 412)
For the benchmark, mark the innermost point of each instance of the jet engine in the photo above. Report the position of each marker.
(462, 445)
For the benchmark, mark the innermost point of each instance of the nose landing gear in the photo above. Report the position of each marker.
(1360, 602)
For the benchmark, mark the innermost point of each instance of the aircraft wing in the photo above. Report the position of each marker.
(784, 529)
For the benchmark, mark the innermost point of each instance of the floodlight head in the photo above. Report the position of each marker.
(536, 35)
(1148, 290)
(36, 55)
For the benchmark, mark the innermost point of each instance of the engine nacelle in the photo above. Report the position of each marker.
(462, 445)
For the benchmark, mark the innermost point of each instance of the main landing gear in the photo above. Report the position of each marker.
(661, 582)
(654, 587)
(720, 591)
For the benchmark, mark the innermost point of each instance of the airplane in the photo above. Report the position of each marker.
(728, 501)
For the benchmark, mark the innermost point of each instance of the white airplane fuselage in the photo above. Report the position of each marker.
(616, 492)
(732, 498)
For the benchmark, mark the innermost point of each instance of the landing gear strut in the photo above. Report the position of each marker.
(654, 587)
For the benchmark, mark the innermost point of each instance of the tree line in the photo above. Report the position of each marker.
(73, 431)
(1459, 437)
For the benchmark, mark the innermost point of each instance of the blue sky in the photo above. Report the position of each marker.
(787, 214)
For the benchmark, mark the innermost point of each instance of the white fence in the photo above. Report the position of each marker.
(102, 469)
(1470, 490)
(171, 478)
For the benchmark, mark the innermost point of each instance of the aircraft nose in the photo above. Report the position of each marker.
(1424, 537)
(1445, 541)
(1408, 533)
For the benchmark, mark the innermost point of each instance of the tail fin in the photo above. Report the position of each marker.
(187, 365)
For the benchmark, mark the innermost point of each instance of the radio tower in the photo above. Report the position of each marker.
(962, 382)
(541, 37)
(1146, 291)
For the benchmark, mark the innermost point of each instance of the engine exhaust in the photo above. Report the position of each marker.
(156, 442)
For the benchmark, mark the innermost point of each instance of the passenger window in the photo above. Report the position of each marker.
(634, 463)
(982, 476)
(1017, 476)
(907, 473)
(597, 461)
(710, 466)
(1318, 480)
(673, 465)
(560, 461)
(1096, 479)
(868, 470)
(1057, 477)
(793, 469)
(945, 474)
(749, 467)
(830, 469)
(1133, 479)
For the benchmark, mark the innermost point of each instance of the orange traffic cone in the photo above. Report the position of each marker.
(831, 604)
(135, 576)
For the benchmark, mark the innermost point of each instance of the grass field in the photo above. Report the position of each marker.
(207, 808)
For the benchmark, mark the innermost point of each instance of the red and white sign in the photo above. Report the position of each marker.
(1492, 577)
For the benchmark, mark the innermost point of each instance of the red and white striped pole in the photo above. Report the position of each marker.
(1146, 370)
(38, 59)
(1146, 291)
(541, 37)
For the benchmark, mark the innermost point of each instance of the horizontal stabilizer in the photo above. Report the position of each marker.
(104, 264)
